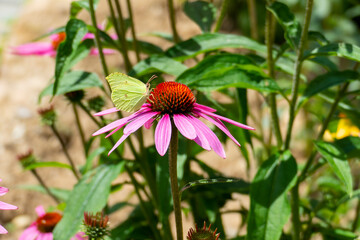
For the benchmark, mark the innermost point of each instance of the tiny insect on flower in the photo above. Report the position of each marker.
(172, 102)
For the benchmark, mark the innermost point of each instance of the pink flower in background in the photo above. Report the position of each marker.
(5, 206)
(44, 225)
(49, 48)
(172, 102)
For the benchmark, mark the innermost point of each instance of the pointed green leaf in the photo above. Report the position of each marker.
(47, 164)
(209, 42)
(202, 13)
(67, 54)
(90, 194)
(345, 50)
(269, 205)
(350, 146)
(338, 162)
(61, 194)
(77, 6)
(158, 63)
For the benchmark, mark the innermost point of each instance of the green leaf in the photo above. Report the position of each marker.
(227, 70)
(145, 47)
(220, 182)
(61, 194)
(345, 50)
(73, 81)
(77, 6)
(337, 233)
(338, 162)
(91, 157)
(269, 205)
(326, 81)
(47, 164)
(350, 146)
(166, 36)
(209, 42)
(90, 194)
(158, 63)
(288, 22)
(202, 13)
(67, 55)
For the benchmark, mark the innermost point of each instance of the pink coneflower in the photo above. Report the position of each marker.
(5, 206)
(49, 48)
(172, 101)
(44, 225)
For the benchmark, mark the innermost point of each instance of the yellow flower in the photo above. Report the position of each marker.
(345, 128)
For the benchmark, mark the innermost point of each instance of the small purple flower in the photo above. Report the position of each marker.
(172, 101)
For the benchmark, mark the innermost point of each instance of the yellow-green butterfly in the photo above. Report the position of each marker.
(128, 94)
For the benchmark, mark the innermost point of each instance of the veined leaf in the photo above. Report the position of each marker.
(67, 55)
(158, 63)
(338, 163)
(202, 13)
(345, 50)
(209, 42)
(269, 206)
(90, 194)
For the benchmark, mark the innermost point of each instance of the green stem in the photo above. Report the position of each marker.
(133, 32)
(174, 181)
(97, 39)
(73, 168)
(78, 123)
(297, 71)
(220, 20)
(269, 39)
(253, 19)
(295, 215)
(33, 171)
(173, 21)
(357, 217)
(123, 37)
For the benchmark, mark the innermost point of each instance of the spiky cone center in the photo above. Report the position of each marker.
(59, 38)
(47, 222)
(96, 225)
(171, 98)
(203, 233)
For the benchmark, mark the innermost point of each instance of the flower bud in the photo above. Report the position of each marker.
(27, 158)
(203, 233)
(96, 103)
(48, 115)
(75, 96)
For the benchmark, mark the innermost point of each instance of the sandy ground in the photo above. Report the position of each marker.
(22, 79)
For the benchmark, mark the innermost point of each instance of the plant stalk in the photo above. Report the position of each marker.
(253, 19)
(73, 168)
(133, 32)
(173, 149)
(220, 20)
(123, 37)
(97, 39)
(42, 183)
(173, 21)
(297, 71)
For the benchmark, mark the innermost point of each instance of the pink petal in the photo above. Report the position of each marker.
(45, 236)
(30, 233)
(201, 138)
(184, 125)
(6, 206)
(3, 191)
(139, 121)
(40, 211)
(227, 120)
(36, 48)
(163, 134)
(107, 111)
(220, 125)
(203, 107)
(3, 230)
(121, 122)
(114, 131)
(79, 236)
(149, 123)
(211, 137)
(118, 143)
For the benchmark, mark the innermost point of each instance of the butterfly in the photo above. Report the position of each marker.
(128, 93)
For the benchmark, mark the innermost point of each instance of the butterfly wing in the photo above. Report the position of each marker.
(128, 94)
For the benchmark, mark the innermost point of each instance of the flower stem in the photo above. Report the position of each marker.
(97, 39)
(253, 19)
(297, 71)
(133, 32)
(224, 7)
(173, 21)
(269, 39)
(42, 183)
(78, 123)
(122, 37)
(174, 181)
(73, 168)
